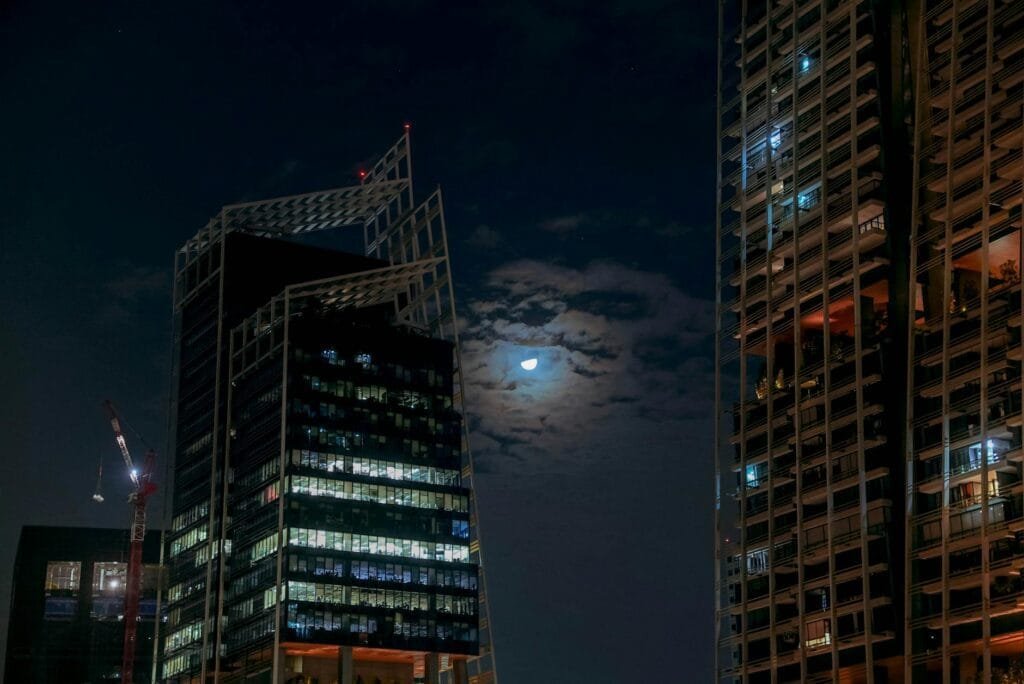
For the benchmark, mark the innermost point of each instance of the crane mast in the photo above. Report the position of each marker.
(144, 488)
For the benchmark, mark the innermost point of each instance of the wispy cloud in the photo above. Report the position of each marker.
(563, 224)
(484, 237)
(131, 289)
(621, 354)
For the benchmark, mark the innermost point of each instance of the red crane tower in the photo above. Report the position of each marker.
(144, 488)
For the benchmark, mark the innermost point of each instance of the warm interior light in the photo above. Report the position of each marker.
(528, 364)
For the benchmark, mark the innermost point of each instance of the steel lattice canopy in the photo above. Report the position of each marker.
(365, 288)
(298, 214)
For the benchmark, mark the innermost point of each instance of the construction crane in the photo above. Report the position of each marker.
(144, 488)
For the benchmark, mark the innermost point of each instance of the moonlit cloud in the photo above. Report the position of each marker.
(621, 359)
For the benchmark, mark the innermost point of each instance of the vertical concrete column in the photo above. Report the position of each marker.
(346, 669)
(432, 668)
(460, 673)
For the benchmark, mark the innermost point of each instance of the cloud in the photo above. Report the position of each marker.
(132, 289)
(484, 237)
(623, 358)
(563, 224)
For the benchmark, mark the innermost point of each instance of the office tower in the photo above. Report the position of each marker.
(323, 524)
(67, 604)
(869, 448)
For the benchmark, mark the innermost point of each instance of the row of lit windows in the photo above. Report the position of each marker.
(182, 590)
(108, 577)
(203, 553)
(365, 361)
(399, 420)
(186, 635)
(358, 491)
(404, 398)
(263, 548)
(338, 594)
(188, 540)
(183, 520)
(176, 664)
(358, 596)
(372, 467)
(383, 572)
(305, 622)
(366, 543)
(345, 439)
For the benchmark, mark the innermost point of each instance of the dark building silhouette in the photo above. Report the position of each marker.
(323, 524)
(67, 606)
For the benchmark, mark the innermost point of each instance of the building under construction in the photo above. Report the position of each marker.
(67, 606)
(323, 526)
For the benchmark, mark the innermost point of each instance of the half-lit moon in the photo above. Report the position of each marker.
(528, 364)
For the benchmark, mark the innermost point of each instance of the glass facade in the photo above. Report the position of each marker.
(323, 487)
(370, 544)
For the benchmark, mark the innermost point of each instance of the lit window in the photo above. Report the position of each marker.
(805, 64)
(364, 360)
(806, 200)
(818, 633)
(757, 562)
(757, 474)
(63, 577)
(108, 578)
(776, 138)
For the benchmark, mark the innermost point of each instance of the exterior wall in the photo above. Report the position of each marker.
(232, 276)
(966, 515)
(809, 457)
(371, 452)
(946, 227)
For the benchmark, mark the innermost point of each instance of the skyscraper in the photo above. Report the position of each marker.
(323, 524)
(868, 461)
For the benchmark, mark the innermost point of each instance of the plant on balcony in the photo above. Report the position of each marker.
(1009, 273)
(1014, 674)
(761, 388)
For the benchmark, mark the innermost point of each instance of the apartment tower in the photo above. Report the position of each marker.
(868, 447)
(323, 523)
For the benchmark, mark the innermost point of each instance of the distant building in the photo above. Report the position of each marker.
(322, 516)
(67, 604)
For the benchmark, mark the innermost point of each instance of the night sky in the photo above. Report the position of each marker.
(575, 145)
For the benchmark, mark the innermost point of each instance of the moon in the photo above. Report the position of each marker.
(528, 364)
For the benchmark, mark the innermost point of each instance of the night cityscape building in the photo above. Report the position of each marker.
(67, 605)
(868, 448)
(324, 527)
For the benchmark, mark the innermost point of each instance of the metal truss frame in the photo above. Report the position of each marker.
(411, 238)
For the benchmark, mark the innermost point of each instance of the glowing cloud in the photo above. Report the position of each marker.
(528, 364)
